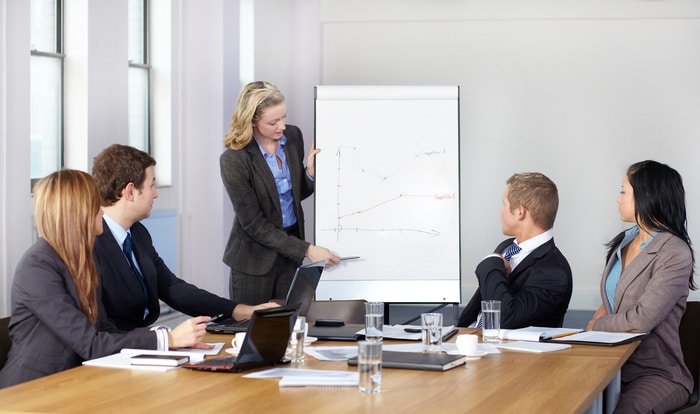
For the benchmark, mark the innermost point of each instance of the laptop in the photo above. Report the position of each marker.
(265, 342)
(301, 292)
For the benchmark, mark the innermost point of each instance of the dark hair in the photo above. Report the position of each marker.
(659, 202)
(117, 166)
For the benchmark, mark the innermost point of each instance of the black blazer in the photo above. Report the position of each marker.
(123, 296)
(257, 236)
(49, 331)
(537, 293)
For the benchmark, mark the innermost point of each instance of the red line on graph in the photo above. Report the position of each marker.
(383, 203)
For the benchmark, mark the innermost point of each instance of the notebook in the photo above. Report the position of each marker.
(301, 292)
(265, 342)
(418, 360)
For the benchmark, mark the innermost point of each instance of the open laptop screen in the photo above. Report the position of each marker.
(304, 285)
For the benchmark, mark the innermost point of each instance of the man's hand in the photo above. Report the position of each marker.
(243, 312)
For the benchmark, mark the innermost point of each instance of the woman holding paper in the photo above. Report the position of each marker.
(57, 321)
(644, 288)
(263, 172)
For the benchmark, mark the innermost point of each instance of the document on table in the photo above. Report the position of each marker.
(123, 358)
(299, 377)
(529, 346)
(600, 338)
(536, 333)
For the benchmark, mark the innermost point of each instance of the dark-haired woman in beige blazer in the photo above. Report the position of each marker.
(645, 285)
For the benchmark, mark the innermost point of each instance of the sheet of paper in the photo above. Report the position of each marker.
(528, 346)
(214, 351)
(331, 353)
(299, 377)
(123, 359)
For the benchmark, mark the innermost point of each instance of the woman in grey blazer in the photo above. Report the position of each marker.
(57, 317)
(263, 172)
(645, 285)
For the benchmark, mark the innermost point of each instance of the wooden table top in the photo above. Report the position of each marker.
(566, 381)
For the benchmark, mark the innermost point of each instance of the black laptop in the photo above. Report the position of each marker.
(265, 342)
(301, 292)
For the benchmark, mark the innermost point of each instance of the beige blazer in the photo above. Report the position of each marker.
(651, 297)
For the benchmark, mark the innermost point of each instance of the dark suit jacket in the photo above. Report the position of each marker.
(123, 296)
(537, 293)
(651, 297)
(257, 236)
(49, 331)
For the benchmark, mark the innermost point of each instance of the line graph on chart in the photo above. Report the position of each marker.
(351, 169)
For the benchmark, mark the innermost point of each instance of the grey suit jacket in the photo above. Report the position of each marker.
(49, 331)
(651, 297)
(257, 236)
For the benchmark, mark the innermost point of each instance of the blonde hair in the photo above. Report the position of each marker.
(253, 99)
(66, 204)
(538, 194)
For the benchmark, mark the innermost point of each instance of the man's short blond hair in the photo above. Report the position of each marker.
(537, 193)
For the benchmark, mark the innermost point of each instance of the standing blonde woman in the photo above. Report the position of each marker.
(263, 172)
(57, 320)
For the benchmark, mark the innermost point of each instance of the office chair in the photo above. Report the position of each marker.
(349, 311)
(690, 343)
(5, 341)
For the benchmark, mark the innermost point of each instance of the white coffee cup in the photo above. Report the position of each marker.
(237, 341)
(466, 344)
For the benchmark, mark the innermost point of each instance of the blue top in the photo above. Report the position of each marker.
(283, 181)
(616, 269)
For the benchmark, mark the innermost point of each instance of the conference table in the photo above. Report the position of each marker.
(566, 381)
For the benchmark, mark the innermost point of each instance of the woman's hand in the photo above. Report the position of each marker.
(597, 315)
(311, 159)
(318, 253)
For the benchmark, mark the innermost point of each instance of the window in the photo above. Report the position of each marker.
(139, 76)
(46, 87)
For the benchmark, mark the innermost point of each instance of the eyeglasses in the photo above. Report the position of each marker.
(267, 96)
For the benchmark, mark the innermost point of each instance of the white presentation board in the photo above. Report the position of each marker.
(387, 190)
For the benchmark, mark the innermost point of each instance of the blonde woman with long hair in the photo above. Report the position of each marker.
(264, 175)
(56, 320)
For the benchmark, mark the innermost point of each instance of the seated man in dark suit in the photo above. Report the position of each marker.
(527, 273)
(133, 277)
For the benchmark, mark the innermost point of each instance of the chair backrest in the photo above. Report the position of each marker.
(349, 311)
(690, 343)
(5, 341)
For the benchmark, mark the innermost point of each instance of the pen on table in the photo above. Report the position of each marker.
(349, 257)
(412, 330)
(563, 335)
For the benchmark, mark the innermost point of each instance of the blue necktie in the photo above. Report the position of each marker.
(511, 251)
(128, 250)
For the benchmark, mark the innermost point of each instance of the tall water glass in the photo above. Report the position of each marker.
(369, 366)
(431, 328)
(374, 321)
(296, 342)
(490, 320)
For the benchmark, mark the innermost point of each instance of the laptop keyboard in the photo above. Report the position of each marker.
(217, 362)
(228, 327)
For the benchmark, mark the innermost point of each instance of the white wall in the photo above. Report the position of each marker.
(575, 89)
